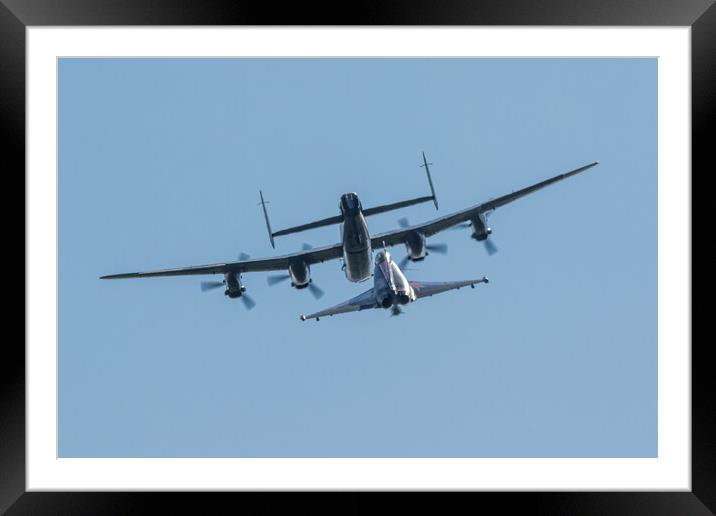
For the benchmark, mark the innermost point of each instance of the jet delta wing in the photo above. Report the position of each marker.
(368, 299)
(391, 290)
(361, 302)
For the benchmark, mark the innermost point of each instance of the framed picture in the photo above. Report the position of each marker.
(563, 384)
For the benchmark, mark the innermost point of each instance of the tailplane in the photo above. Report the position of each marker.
(409, 202)
(366, 212)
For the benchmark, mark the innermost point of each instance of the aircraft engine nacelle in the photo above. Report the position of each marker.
(300, 274)
(234, 288)
(415, 246)
(480, 228)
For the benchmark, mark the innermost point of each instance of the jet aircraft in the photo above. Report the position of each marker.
(391, 289)
(298, 264)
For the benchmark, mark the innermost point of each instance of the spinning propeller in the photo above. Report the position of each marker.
(211, 285)
(275, 279)
(248, 302)
(490, 246)
(435, 248)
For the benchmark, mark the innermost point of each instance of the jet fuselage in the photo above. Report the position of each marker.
(390, 285)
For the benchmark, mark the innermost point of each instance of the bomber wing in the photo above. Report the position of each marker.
(310, 257)
(394, 237)
(426, 288)
(361, 302)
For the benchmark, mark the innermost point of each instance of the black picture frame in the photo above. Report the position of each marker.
(16, 15)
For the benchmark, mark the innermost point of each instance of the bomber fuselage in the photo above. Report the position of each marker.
(357, 251)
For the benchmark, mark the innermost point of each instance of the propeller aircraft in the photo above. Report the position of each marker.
(357, 258)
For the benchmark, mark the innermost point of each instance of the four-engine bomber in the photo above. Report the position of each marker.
(356, 245)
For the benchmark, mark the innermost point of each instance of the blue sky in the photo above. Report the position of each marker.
(160, 163)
